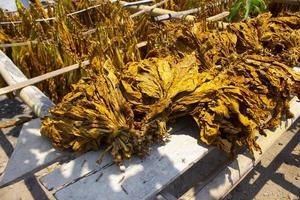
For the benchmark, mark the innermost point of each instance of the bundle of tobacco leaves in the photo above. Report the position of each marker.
(94, 114)
(229, 106)
(277, 36)
(235, 104)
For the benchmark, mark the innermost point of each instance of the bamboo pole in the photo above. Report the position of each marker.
(218, 17)
(40, 78)
(140, 12)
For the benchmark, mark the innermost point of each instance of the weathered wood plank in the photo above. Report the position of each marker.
(32, 153)
(142, 179)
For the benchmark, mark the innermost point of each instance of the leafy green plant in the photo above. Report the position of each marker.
(243, 9)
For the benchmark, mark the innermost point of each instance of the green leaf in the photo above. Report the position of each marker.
(19, 5)
(256, 10)
(247, 9)
(234, 10)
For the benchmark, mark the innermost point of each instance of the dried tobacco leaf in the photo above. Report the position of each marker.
(152, 85)
(215, 48)
(277, 36)
(281, 35)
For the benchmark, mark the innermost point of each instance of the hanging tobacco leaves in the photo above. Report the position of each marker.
(104, 28)
(235, 104)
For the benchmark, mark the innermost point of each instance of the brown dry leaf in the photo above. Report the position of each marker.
(216, 47)
(281, 36)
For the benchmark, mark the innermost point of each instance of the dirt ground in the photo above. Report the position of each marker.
(276, 177)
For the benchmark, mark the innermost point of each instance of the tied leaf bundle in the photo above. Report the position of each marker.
(94, 113)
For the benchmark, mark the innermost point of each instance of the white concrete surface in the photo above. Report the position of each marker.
(142, 179)
(32, 152)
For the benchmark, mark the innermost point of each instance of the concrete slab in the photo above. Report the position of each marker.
(75, 169)
(142, 179)
(32, 152)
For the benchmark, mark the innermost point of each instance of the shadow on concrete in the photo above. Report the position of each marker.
(35, 188)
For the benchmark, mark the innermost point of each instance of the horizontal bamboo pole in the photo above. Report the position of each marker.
(40, 78)
(218, 17)
(140, 12)
(178, 15)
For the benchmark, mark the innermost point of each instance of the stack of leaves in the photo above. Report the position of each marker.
(94, 114)
(124, 116)
(235, 104)
(277, 36)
